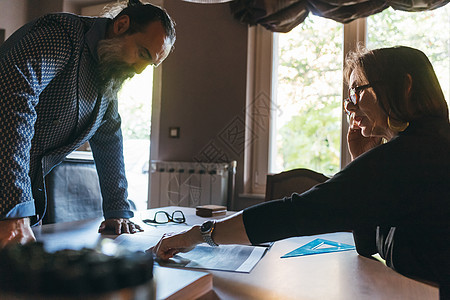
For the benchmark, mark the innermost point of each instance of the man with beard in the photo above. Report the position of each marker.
(59, 77)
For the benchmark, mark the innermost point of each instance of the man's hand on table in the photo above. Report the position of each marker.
(15, 231)
(119, 226)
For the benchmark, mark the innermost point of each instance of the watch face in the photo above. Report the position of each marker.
(206, 226)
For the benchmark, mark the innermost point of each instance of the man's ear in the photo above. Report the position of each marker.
(121, 25)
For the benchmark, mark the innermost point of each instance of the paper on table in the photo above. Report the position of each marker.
(140, 241)
(235, 258)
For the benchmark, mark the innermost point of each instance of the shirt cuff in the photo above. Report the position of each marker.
(22, 210)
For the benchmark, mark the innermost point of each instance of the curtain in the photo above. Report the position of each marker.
(284, 15)
(207, 1)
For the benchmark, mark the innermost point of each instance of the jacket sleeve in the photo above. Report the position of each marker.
(29, 60)
(107, 148)
(353, 199)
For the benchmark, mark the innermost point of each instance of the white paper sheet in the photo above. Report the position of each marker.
(234, 258)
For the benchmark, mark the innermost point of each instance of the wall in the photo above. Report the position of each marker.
(13, 14)
(43, 7)
(203, 80)
(204, 86)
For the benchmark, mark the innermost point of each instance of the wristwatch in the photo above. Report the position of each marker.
(206, 230)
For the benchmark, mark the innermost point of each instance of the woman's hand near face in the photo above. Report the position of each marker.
(358, 144)
(356, 141)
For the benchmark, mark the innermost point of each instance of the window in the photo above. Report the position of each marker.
(308, 97)
(306, 86)
(135, 101)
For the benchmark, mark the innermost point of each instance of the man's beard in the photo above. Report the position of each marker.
(113, 71)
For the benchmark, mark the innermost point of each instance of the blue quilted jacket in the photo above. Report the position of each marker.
(49, 106)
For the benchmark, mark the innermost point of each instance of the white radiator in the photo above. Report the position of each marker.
(190, 183)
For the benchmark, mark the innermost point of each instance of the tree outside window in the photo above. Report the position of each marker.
(309, 97)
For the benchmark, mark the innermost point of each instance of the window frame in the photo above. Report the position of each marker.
(262, 45)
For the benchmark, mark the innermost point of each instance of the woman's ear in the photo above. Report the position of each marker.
(121, 25)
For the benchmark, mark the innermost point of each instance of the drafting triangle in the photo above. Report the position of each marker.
(318, 246)
(325, 246)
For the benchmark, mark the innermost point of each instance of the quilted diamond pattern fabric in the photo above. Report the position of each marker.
(49, 106)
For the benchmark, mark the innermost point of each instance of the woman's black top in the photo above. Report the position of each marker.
(395, 198)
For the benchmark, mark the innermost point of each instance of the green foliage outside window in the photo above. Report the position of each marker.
(309, 96)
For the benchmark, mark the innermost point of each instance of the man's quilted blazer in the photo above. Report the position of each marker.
(49, 106)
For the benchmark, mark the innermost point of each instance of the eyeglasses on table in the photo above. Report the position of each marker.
(163, 217)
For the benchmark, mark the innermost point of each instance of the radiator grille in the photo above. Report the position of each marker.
(189, 184)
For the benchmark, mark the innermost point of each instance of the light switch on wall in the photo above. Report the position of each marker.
(174, 132)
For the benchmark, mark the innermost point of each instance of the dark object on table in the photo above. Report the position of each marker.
(29, 270)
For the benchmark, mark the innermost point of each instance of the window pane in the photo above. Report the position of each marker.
(135, 102)
(307, 120)
(427, 31)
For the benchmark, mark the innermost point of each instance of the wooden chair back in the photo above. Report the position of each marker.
(285, 183)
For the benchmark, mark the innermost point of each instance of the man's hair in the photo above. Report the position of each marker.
(387, 69)
(141, 14)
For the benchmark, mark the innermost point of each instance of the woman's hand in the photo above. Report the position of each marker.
(171, 244)
(230, 230)
(358, 144)
(119, 225)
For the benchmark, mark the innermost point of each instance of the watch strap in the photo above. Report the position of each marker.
(208, 239)
(207, 236)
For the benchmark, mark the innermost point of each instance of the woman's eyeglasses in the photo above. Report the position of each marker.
(162, 217)
(353, 94)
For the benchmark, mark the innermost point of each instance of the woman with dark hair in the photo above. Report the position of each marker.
(394, 195)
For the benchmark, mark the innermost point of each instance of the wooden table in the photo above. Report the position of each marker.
(340, 275)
